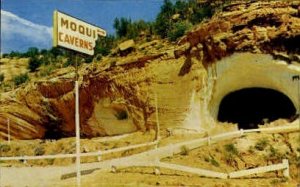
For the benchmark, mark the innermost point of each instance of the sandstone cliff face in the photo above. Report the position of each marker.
(117, 95)
(261, 27)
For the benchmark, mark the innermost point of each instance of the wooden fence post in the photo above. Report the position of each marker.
(286, 171)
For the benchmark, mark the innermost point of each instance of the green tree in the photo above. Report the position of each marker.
(55, 51)
(163, 21)
(32, 52)
(104, 45)
(200, 11)
(15, 54)
(178, 29)
(126, 28)
(122, 25)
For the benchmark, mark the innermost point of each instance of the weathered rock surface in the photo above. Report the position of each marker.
(117, 95)
(260, 27)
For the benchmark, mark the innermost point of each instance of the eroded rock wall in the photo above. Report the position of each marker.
(117, 95)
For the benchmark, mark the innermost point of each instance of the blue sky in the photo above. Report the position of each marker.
(26, 23)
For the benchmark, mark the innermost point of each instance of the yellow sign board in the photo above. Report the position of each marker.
(75, 34)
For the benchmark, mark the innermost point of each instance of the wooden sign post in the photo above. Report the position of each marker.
(77, 35)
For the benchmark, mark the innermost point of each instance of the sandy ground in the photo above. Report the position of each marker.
(246, 157)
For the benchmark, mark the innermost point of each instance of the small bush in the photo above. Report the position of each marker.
(1, 77)
(68, 63)
(251, 149)
(178, 30)
(104, 45)
(230, 148)
(261, 144)
(206, 159)
(230, 160)
(275, 155)
(46, 70)
(34, 63)
(214, 162)
(4, 148)
(39, 151)
(185, 150)
(20, 79)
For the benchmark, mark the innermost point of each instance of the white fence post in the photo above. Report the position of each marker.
(242, 132)
(209, 140)
(8, 130)
(286, 171)
(77, 129)
(157, 121)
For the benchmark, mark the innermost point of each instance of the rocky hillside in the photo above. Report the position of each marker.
(117, 94)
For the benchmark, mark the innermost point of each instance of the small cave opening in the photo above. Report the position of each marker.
(53, 130)
(121, 115)
(253, 106)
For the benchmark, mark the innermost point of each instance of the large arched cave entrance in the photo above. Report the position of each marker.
(249, 107)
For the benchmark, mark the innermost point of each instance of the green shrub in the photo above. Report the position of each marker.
(178, 30)
(34, 63)
(230, 159)
(32, 52)
(190, 11)
(20, 79)
(163, 21)
(67, 63)
(230, 148)
(4, 148)
(126, 28)
(200, 12)
(261, 144)
(46, 70)
(214, 162)
(206, 159)
(50, 161)
(275, 155)
(15, 54)
(39, 151)
(184, 150)
(104, 45)
(1, 77)
(251, 149)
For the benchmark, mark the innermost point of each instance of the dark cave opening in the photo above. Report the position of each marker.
(53, 130)
(251, 106)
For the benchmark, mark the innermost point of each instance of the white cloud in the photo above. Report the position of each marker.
(18, 34)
